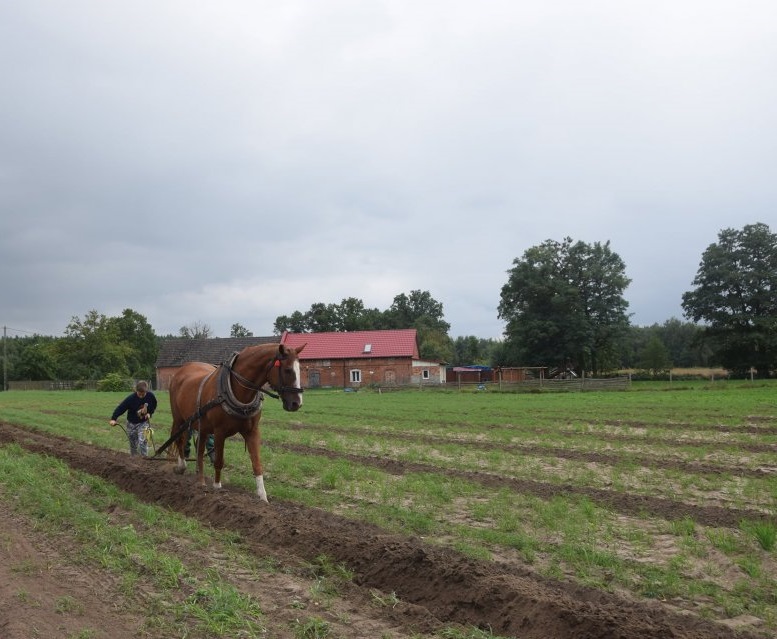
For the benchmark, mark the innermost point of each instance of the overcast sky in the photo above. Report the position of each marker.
(233, 161)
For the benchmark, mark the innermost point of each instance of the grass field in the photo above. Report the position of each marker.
(666, 491)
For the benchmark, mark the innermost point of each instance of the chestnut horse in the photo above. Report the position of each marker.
(227, 399)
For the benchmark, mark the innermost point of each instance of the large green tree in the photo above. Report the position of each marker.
(735, 297)
(92, 348)
(564, 306)
(32, 358)
(134, 331)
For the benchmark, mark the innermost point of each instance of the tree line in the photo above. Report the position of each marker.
(563, 305)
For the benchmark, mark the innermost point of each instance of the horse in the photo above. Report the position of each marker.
(227, 399)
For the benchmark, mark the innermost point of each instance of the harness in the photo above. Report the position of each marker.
(225, 396)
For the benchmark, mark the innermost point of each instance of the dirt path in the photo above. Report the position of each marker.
(436, 586)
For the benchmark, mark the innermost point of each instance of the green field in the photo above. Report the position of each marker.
(542, 480)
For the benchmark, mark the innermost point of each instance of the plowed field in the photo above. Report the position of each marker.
(436, 588)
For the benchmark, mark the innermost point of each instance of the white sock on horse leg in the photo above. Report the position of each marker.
(260, 488)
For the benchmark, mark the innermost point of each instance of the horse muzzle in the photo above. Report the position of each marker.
(291, 399)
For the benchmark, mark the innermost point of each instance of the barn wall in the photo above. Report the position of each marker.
(163, 377)
(337, 373)
(390, 371)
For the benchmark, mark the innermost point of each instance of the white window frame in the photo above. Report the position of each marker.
(356, 376)
(425, 374)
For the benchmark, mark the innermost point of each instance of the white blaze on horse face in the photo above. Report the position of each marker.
(297, 375)
(260, 488)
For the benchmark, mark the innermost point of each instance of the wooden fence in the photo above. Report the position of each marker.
(81, 384)
(577, 384)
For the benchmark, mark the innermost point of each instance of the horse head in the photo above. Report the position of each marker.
(286, 377)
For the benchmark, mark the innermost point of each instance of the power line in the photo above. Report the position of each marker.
(20, 330)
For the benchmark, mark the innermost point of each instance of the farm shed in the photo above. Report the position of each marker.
(363, 358)
(174, 353)
(518, 374)
(473, 374)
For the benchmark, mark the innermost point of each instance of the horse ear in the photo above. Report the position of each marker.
(299, 350)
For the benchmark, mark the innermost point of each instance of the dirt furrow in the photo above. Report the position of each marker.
(442, 585)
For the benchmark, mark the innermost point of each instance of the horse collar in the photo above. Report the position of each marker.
(232, 405)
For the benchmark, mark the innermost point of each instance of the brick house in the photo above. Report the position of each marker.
(363, 358)
(346, 360)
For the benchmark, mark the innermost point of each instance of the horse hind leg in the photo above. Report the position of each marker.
(179, 448)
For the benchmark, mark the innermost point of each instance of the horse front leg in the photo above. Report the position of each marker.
(253, 441)
(180, 448)
(218, 461)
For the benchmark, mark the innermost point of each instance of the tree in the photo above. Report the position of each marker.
(564, 306)
(681, 339)
(736, 298)
(92, 348)
(351, 315)
(322, 318)
(294, 324)
(238, 330)
(421, 311)
(196, 330)
(136, 333)
(470, 349)
(406, 310)
(32, 358)
(655, 357)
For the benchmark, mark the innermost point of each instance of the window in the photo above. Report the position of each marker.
(356, 376)
(368, 348)
(425, 373)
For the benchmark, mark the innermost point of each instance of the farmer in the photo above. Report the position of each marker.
(139, 407)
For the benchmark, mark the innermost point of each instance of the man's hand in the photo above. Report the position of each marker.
(112, 422)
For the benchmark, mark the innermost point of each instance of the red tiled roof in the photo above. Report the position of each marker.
(394, 343)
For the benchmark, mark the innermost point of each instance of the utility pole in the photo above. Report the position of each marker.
(5, 359)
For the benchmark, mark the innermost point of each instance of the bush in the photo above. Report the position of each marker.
(114, 382)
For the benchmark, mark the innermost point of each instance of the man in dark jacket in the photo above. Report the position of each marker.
(139, 407)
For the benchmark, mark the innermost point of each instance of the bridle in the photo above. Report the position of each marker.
(247, 383)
